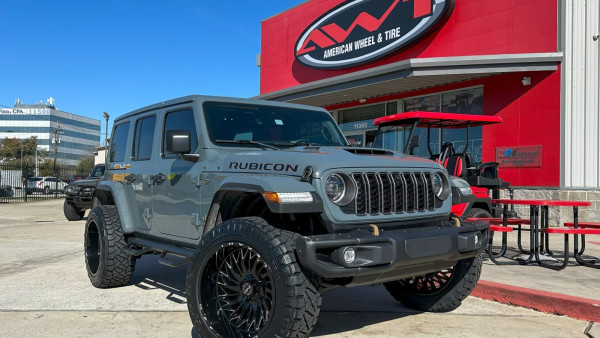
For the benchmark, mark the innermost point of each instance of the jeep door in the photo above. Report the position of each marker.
(177, 182)
(138, 181)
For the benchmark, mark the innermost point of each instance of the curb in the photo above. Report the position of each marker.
(543, 301)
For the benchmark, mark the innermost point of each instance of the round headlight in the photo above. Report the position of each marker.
(73, 188)
(438, 185)
(335, 188)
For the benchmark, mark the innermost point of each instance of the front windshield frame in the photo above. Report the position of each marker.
(278, 126)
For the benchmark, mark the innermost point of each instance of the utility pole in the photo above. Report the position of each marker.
(106, 117)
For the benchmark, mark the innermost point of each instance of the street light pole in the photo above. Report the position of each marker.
(106, 116)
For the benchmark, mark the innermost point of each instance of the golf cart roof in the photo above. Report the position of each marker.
(437, 120)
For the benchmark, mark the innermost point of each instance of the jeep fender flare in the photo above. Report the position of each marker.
(279, 184)
(112, 192)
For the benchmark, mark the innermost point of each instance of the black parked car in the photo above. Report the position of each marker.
(79, 194)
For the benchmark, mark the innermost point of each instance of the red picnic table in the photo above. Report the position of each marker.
(539, 219)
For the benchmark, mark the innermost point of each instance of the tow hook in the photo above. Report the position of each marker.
(375, 230)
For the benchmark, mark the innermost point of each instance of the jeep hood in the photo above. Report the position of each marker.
(86, 182)
(293, 161)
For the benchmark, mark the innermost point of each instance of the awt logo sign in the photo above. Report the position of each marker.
(359, 31)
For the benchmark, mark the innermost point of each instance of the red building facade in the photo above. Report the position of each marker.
(504, 51)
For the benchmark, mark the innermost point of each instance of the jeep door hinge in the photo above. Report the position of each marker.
(196, 220)
(147, 213)
(199, 181)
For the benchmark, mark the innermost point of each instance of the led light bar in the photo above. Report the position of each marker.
(289, 197)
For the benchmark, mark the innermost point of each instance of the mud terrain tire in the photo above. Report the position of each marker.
(107, 264)
(478, 213)
(440, 291)
(245, 281)
(72, 213)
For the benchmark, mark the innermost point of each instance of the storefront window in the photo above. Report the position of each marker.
(468, 101)
(423, 103)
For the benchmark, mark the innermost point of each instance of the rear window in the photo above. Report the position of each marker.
(118, 143)
(143, 138)
(35, 179)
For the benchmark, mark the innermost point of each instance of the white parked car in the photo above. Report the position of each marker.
(45, 185)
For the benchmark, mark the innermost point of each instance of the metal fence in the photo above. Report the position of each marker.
(23, 183)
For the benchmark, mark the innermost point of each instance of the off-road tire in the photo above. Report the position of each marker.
(107, 263)
(441, 291)
(478, 213)
(294, 301)
(72, 213)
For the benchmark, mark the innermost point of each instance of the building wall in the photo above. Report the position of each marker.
(581, 93)
(475, 28)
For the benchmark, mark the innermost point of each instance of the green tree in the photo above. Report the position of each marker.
(12, 148)
(46, 168)
(85, 165)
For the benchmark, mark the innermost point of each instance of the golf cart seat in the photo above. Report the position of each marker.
(445, 153)
(488, 170)
(457, 165)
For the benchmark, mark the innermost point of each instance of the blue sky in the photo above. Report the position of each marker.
(115, 56)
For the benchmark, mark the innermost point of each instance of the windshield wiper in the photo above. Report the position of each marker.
(294, 143)
(264, 145)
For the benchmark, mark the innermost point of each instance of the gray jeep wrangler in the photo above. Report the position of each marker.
(271, 207)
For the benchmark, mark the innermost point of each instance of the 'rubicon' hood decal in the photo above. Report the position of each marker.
(294, 161)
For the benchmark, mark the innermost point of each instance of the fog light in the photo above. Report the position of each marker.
(477, 239)
(349, 255)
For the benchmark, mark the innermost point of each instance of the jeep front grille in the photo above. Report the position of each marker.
(387, 193)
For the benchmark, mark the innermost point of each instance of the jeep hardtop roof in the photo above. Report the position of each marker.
(192, 98)
(438, 120)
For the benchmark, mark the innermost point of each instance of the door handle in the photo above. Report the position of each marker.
(158, 178)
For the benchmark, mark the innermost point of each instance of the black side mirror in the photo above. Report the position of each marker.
(178, 142)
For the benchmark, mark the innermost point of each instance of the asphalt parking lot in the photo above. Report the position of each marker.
(46, 293)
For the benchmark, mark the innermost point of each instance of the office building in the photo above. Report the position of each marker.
(78, 136)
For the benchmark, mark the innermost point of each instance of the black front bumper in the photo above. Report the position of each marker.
(394, 254)
(79, 201)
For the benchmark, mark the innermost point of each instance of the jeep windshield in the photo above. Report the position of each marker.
(231, 124)
(97, 172)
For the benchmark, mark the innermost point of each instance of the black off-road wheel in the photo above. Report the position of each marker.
(440, 291)
(107, 263)
(478, 213)
(245, 281)
(72, 213)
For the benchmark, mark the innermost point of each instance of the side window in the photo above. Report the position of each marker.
(180, 120)
(143, 138)
(118, 142)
